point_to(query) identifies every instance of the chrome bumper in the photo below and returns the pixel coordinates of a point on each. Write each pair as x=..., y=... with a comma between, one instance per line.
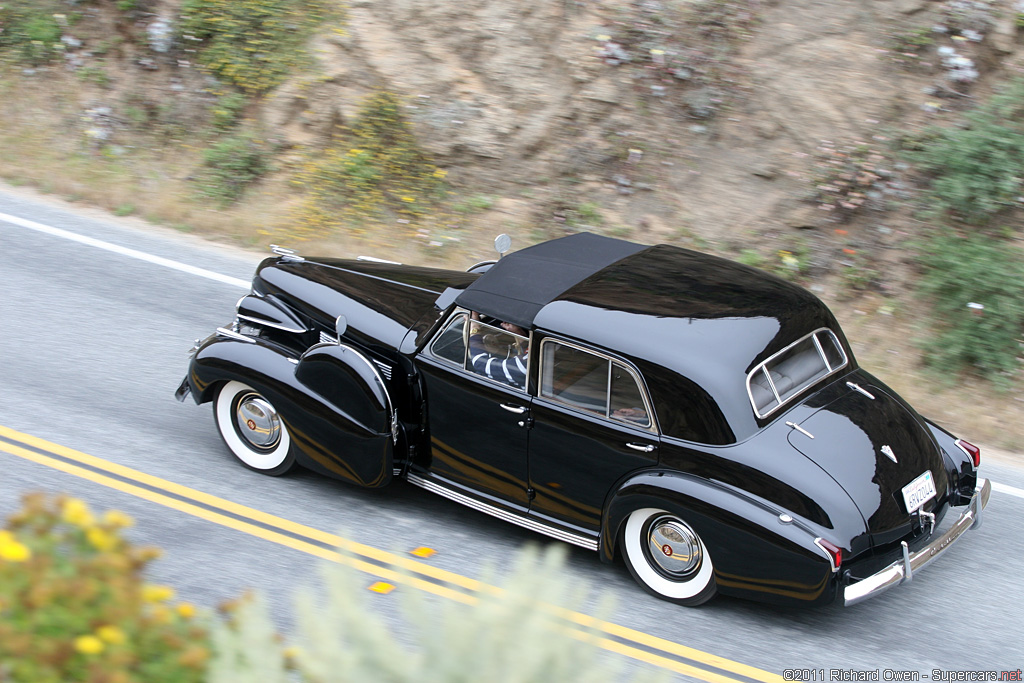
x=903, y=570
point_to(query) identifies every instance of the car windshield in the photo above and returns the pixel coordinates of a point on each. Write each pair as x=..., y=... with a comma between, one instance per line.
x=791, y=371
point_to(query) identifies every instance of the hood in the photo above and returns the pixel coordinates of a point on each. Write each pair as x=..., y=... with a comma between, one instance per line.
x=853, y=437
x=380, y=301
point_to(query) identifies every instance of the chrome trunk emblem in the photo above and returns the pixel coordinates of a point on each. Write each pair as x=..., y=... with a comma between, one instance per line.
x=887, y=451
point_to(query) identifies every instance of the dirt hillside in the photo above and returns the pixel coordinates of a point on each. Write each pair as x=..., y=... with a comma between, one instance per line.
x=763, y=130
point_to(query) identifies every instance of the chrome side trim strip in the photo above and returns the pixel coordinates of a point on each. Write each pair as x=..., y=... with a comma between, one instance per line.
x=267, y=323
x=800, y=429
x=903, y=569
x=857, y=387
x=224, y=332
x=531, y=524
x=374, y=259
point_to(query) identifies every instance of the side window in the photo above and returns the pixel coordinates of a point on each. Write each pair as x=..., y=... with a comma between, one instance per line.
x=450, y=345
x=492, y=352
x=575, y=377
x=592, y=383
x=627, y=401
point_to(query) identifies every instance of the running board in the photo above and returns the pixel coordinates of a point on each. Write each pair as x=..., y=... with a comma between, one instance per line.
x=531, y=524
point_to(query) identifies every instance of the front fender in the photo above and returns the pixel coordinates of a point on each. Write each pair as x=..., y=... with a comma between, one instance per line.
x=345, y=434
x=755, y=554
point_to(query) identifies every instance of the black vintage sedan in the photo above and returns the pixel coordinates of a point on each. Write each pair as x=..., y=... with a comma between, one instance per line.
x=703, y=420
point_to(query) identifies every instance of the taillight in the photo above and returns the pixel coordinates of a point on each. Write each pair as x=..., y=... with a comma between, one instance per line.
x=971, y=450
x=834, y=552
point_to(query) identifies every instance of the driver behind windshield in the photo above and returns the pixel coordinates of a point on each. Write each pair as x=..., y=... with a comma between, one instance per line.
x=501, y=357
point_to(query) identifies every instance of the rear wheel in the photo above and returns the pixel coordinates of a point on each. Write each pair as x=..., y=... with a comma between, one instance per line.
x=667, y=557
x=252, y=429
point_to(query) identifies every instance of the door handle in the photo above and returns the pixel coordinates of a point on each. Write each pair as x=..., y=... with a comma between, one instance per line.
x=642, y=447
x=512, y=408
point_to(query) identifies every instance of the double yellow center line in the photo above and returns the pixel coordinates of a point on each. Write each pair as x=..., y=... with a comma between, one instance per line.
x=374, y=561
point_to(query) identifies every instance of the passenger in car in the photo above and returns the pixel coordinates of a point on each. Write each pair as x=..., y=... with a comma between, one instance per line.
x=508, y=367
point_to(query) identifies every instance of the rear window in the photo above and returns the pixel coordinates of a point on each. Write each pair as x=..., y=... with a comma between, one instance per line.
x=791, y=371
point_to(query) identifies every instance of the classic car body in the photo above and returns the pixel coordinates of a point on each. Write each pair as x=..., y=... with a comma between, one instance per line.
x=702, y=419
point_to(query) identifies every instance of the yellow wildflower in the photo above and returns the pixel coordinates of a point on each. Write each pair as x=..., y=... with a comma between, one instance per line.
x=117, y=519
x=100, y=539
x=186, y=610
x=89, y=645
x=111, y=634
x=11, y=550
x=75, y=511
x=154, y=593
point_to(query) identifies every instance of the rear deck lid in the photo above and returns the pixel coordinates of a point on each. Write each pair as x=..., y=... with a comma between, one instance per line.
x=874, y=448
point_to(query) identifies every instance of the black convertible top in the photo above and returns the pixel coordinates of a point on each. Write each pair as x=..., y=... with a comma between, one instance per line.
x=522, y=283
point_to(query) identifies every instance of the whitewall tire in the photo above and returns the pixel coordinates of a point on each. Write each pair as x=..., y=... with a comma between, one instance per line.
x=252, y=429
x=667, y=557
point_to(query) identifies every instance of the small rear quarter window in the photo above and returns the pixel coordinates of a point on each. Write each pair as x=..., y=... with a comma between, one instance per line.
x=791, y=371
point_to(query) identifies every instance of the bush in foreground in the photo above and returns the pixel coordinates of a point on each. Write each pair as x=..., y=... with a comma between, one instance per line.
x=517, y=634
x=74, y=605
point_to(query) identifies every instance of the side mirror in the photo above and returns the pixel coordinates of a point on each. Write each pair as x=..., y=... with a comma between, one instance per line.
x=340, y=325
x=502, y=243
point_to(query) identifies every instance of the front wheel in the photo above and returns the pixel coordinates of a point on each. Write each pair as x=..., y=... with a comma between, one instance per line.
x=667, y=557
x=252, y=429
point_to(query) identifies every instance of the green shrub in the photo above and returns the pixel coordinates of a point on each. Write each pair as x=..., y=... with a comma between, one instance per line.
x=976, y=170
x=30, y=30
x=962, y=273
x=228, y=110
x=516, y=635
x=373, y=168
x=252, y=44
x=74, y=606
x=231, y=165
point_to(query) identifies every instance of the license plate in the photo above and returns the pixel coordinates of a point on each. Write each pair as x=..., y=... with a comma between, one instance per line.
x=919, y=491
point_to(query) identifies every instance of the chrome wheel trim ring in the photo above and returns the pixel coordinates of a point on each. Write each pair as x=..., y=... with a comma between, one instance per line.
x=256, y=422
x=673, y=548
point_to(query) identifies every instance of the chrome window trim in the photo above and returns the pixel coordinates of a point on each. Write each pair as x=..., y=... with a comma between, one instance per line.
x=763, y=365
x=626, y=365
x=429, y=348
x=434, y=486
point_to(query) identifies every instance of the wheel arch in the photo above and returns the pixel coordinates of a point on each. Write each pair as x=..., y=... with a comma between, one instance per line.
x=340, y=443
x=755, y=553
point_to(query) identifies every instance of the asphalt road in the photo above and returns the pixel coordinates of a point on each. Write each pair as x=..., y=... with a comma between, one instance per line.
x=93, y=343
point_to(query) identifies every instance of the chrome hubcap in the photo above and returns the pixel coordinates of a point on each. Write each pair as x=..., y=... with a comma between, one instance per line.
x=257, y=422
x=674, y=547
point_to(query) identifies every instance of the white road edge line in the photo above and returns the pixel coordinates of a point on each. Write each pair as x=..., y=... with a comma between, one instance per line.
x=1012, y=490
x=124, y=251
x=217, y=277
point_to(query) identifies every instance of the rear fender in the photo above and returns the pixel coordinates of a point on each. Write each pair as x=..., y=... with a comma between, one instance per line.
x=755, y=554
x=346, y=433
x=963, y=476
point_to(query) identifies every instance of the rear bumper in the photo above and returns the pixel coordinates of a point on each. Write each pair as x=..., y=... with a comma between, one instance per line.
x=903, y=570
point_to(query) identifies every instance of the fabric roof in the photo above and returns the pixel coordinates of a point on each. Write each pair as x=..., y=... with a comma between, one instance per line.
x=520, y=284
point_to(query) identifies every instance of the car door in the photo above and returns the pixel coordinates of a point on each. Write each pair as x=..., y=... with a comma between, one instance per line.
x=592, y=424
x=478, y=426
